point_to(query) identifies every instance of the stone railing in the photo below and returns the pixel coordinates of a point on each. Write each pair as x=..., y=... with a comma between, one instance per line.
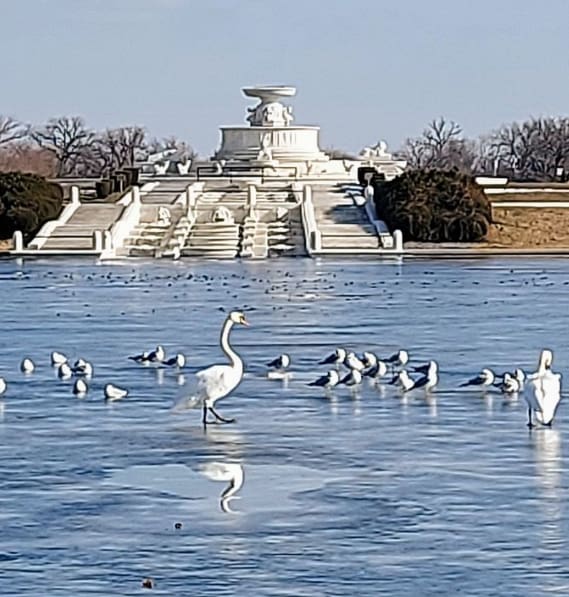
x=47, y=229
x=122, y=228
x=312, y=236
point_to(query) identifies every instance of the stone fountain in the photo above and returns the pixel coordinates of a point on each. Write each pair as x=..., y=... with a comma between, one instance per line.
x=270, y=139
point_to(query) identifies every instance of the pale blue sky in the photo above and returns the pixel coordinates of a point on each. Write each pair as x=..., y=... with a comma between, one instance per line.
x=365, y=69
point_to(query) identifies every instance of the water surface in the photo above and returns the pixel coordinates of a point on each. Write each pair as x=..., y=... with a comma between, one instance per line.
x=361, y=494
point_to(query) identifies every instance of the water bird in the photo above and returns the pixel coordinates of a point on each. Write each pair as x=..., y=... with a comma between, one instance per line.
x=157, y=355
x=177, y=361
x=353, y=378
x=377, y=370
x=27, y=366
x=82, y=367
x=336, y=358
x=543, y=391
x=80, y=387
x=139, y=358
x=328, y=381
x=64, y=371
x=402, y=379
x=353, y=362
x=58, y=358
x=3, y=385
x=218, y=381
x=509, y=384
x=520, y=376
x=369, y=359
x=400, y=358
x=226, y=471
x=114, y=392
x=485, y=379
x=280, y=363
x=430, y=376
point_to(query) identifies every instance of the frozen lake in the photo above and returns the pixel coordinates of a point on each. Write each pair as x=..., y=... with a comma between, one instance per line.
x=358, y=494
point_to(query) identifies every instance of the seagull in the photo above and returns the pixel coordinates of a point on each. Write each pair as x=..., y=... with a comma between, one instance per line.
x=58, y=358
x=80, y=387
x=140, y=358
x=520, y=376
x=353, y=378
x=82, y=367
x=280, y=363
x=369, y=359
x=3, y=385
x=328, y=381
x=157, y=355
x=178, y=361
x=401, y=358
x=226, y=471
x=543, y=391
x=509, y=385
x=485, y=378
x=114, y=393
x=403, y=380
x=64, y=371
x=27, y=366
x=353, y=362
x=336, y=358
x=430, y=377
x=379, y=369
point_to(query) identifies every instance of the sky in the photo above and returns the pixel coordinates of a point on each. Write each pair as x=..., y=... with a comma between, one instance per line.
x=364, y=69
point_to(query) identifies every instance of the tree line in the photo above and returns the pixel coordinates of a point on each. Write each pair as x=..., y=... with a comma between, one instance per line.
x=67, y=146
x=536, y=149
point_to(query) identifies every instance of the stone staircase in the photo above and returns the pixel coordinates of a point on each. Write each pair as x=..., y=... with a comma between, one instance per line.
x=153, y=233
x=77, y=232
x=342, y=224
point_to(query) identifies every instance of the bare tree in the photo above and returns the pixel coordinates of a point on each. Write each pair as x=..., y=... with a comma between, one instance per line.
x=441, y=146
x=68, y=139
x=182, y=149
x=12, y=130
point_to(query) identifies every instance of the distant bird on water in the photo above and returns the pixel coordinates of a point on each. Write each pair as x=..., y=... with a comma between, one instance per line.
x=27, y=366
x=336, y=358
x=328, y=381
x=114, y=392
x=484, y=379
x=3, y=385
x=58, y=358
x=400, y=358
x=280, y=363
x=177, y=361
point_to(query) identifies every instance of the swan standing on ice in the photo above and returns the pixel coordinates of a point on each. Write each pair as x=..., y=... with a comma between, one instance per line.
x=543, y=391
x=218, y=381
x=222, y=471
x=485, y=379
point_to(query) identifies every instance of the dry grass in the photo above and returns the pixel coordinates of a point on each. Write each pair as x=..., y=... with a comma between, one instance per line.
x=526, y=228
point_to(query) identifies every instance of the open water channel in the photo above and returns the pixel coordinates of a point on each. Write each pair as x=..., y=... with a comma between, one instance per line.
x=365, y=493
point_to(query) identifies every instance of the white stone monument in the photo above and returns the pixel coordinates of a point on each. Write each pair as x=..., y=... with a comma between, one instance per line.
x=271, y=139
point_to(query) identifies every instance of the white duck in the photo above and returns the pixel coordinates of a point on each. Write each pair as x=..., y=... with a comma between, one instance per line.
x=57, y=358
x=543, y=391
x=226, y=471
x=218, y=381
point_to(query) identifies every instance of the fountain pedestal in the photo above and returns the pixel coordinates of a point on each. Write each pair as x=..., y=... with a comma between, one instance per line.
x=271, y=139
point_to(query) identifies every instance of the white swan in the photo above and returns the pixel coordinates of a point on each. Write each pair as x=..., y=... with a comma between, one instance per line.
x=226, y=471
x=3, y=385
x=27, y=366
x=218, y=381
x=543, y=391
x=114, y=392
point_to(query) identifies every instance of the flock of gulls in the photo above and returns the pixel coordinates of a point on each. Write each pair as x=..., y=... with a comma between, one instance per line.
x=541, y=389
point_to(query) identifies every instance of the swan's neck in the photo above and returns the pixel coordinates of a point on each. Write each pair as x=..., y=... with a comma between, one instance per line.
x=236, y=362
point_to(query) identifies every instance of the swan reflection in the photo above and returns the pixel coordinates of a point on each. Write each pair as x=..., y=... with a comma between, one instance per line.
x=226, y=471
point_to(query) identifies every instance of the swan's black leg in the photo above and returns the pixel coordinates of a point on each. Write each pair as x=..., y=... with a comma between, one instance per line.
x=204, y=416
x=530, y=424
x=219, y=417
